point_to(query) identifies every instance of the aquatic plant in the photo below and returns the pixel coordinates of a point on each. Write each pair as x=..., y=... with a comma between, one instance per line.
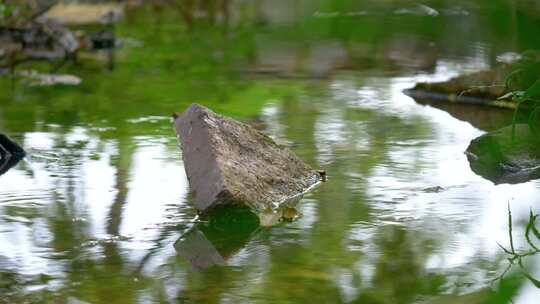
x=524, y=85
x=516, y=257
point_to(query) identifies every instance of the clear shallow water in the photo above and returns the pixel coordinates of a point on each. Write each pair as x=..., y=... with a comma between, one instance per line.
x=93, y=212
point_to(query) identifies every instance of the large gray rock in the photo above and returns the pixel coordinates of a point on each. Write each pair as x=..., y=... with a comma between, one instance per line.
x=228, y=162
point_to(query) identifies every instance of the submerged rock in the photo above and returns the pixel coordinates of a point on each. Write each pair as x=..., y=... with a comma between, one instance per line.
x=228, y=162
x=10, y=153
x=502, y=159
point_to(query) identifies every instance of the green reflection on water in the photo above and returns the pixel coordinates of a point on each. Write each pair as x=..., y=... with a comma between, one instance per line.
x=70, y=222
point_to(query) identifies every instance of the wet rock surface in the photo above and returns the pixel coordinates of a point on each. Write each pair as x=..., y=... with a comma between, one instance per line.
x=502, y=159
x=10, y=153
x=228, y=162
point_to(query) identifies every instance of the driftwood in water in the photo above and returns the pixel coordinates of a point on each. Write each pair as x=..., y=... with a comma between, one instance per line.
x=427, y=96
x=480, y=88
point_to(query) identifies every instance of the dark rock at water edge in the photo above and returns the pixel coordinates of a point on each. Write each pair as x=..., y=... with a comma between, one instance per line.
x=228, y=162
x=502, y=159
x=10, y=153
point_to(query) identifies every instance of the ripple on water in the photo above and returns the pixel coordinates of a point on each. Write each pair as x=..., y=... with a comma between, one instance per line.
x=28, y=197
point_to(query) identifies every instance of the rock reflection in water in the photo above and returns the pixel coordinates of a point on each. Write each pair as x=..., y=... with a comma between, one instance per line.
x=225, y=231
x=217, y=236
x=481, y=117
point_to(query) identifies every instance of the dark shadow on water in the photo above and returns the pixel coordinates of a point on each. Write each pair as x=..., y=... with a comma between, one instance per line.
x=217, y=237
x=10, y=153
x=481, y=117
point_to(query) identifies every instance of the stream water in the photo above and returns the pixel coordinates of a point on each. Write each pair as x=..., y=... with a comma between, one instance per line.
x=92, y=214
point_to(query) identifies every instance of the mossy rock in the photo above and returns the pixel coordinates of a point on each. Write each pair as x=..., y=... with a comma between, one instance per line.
x=504, y=158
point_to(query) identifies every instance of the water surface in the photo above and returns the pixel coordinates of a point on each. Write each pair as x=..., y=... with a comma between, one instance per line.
x=93, y=213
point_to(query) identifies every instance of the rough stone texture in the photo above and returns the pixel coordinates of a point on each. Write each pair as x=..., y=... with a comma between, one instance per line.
x=228, y=162
x=498, y=158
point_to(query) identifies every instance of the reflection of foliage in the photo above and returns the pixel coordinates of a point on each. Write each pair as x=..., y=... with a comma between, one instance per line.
x=515, y=257
x=524, y=83
x=17, y=11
